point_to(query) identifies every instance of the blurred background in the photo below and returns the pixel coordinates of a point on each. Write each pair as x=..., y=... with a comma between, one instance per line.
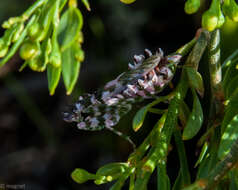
x=40, y=150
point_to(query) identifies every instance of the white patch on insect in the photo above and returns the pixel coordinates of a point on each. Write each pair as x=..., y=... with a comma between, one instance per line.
x=81, y=125
x=129, y=93
x=105, y=95
x=107, y=116
x=130, y=66
x=111, y=101
x=93, y=99
x=119, y=96
x=132, y=88
x=142, y=83
x=79, y=107
x=173, y=58
x=94, y=122
x=109, y=123
x=141, y=93
x=117, y=116
x=150, y=87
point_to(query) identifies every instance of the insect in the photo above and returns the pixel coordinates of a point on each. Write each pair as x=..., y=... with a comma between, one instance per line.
x=145, y=78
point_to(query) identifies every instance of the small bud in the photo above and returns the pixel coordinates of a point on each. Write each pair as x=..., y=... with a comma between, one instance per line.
x=36, y=64
x=209, y=21
x=29, y=50
x=192, y=6
x=127, y=1
x=34, y=30
x=79, y=55
x=81, y=176
x=3, y=51
x=230, y=8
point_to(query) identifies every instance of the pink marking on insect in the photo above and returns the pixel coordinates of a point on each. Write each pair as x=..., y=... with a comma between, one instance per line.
x=107, y=116
x=112, y=83
x=132, y=88
x=109, y=123
x=81, y=125
x=111, y=101
x=106, y=95
x=141, y=93
x=94, y=122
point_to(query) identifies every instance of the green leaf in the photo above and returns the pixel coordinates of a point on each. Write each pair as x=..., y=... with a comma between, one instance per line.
x=202, y=154
x=70, y=67
x=81, y=176
x=195, y=119
x=229, y=136
x=210, y=160
x=162, y=177
x=112, y=171
x=230, y=73
x=53, y=76
x=45, y=20
x=86, y=4
x=231, y=86
x=230, y=110
x=127, y=1
x=234, y=179
x=186, y=179
x=191, y=6
x=195, y=80
x=184, y=113
x=17, y=44
x=139, y=118
x=178, y=182
x=70, y=25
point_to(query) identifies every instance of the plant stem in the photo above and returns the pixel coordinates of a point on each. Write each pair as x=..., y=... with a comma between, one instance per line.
x=215, y=70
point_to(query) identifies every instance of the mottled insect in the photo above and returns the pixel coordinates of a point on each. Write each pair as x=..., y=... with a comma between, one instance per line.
x=145, y=78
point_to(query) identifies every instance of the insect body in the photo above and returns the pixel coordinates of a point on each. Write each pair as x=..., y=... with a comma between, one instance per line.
x=103, y=109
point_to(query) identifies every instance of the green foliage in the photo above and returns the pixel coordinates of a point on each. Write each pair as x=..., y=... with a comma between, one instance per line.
x=195, y=119
x=47, y=33
x=49, y=37
x=218, y=154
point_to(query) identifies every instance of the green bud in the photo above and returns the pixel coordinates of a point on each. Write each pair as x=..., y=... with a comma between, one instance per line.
x=55, y=55
x=3, y=51
x=213, y=17
x=80, y=176
x=127, y=1
x=11, y=21
x=209, y=20
x=55, y=59
x=192, y=6
x=2, y=43
x=8, y=35
x=79, y=56
x=230, y=8
x=100, y=180
x=80, y=37
x=34, y=30
x=112, y=171
x=36, y=64
x=18, y=30
x=29, y=50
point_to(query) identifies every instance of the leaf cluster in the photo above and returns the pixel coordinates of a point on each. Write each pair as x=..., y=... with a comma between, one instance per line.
x=48, y=36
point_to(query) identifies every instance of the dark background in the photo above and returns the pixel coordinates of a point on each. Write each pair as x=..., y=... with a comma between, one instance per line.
x=40, y=150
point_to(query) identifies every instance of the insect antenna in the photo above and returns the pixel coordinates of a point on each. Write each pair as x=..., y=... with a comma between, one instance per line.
x=120, y=134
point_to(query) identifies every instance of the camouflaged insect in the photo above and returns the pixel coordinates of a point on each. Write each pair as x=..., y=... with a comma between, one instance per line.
x=146, y=77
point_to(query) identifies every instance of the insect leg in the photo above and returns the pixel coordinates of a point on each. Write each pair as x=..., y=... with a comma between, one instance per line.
x=120, y=134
